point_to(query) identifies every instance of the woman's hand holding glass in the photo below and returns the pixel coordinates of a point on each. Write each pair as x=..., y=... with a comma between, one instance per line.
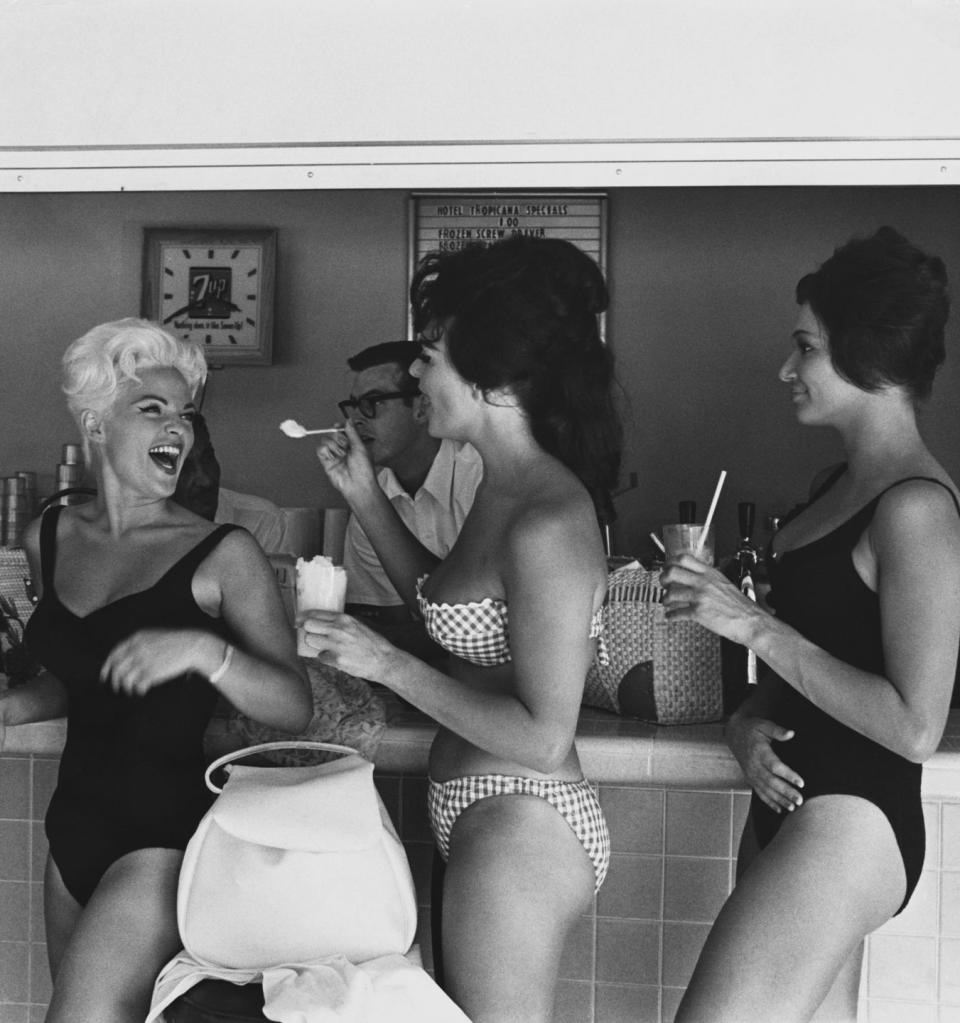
x=694, y=590
x=345, y=460
x=343, y=642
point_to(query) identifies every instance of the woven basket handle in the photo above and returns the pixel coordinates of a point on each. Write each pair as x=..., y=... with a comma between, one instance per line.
x=264, y=747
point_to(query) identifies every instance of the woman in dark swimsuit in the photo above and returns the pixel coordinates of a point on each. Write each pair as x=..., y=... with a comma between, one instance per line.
x=862, y=651
x=147, y=611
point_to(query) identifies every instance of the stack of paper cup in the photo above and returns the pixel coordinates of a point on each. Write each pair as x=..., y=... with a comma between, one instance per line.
x=70, y=473
x=321, y=586
x=16, y=510
x=30, y=483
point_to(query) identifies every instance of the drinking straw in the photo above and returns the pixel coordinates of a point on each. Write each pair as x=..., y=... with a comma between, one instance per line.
x=713, y=508
x=749, y=590
x=656, y=539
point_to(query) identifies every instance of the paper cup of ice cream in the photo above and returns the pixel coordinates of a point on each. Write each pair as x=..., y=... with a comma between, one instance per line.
x=321, y=586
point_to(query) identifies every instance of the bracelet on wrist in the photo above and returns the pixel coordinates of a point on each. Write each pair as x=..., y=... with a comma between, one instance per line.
x=216, y=677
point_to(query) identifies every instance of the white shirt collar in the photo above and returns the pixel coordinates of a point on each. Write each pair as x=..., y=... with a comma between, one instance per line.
x=438, y=482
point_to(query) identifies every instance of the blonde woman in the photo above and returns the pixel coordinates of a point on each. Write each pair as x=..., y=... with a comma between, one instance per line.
x=147, y=612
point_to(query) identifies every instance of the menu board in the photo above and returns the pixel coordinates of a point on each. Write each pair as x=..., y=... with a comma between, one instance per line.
x=449, y=220
x=446, y=221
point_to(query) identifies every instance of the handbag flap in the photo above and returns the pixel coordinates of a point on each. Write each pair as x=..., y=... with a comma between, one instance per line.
x=326, y=807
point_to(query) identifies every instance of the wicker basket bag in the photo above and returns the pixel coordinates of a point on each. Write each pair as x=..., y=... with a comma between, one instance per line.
x=660, y=671
x=15, y=579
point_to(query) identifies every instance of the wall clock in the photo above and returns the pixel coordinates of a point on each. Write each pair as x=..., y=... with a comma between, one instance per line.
x=214, y=286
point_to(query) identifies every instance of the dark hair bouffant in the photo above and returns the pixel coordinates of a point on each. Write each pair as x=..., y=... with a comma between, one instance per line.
x=883, y=303
x=524, y=313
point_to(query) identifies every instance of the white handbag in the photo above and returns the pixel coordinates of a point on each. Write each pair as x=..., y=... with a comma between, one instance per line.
x=293, y=864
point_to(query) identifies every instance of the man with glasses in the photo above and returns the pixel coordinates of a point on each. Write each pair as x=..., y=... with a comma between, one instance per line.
x=430, y=482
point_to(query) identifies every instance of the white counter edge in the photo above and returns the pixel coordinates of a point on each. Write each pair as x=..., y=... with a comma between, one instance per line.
x=672, y=757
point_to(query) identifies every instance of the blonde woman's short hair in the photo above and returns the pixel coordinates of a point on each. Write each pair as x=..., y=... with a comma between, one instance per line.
x=111, y=354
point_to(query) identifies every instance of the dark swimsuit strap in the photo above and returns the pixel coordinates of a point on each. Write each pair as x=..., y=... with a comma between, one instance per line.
x=48, y=545
x=925, y=479
x=829, y=482
x=187, y=564
x=841, y=469
x=190, y=561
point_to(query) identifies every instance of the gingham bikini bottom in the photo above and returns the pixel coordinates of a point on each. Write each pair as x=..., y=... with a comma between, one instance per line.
x=575, y=801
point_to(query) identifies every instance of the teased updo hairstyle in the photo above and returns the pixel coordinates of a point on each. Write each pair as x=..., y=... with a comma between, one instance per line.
x=111, y=354
x=523, y=313
x=883, y=303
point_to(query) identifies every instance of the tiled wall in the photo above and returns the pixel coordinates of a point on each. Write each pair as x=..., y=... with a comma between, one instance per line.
x=26, y=783
x=628, y=960
x=912, y=964
x=673, y=864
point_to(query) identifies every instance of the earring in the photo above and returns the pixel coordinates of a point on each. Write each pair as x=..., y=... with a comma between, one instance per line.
x=91, y=424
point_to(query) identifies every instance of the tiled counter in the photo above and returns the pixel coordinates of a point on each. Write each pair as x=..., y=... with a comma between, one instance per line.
x=675, y=802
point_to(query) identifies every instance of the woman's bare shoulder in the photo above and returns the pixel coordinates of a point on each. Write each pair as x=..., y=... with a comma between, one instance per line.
x=919, y=512
x=563, y=520
x=236, y=550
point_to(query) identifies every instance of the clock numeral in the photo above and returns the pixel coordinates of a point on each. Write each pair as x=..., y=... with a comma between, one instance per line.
x=236, y=252
x=252, y=323
x=252, y=273
x=169, y=272
x=233, y=340
x=187, y=253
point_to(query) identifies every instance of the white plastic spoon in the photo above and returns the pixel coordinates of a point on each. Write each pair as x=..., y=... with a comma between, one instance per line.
x=293, y=429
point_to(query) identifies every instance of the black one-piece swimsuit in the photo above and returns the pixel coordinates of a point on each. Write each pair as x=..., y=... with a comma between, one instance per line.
x=131, y=774
x=816, y=590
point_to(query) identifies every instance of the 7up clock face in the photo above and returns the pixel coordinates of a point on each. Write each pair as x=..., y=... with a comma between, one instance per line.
x=211, y=295
x=216, y=291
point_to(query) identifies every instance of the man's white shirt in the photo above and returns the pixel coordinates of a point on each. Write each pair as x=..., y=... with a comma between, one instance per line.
x=434, y=515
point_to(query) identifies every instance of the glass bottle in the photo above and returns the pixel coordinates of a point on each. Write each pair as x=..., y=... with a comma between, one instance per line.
x=739, y=665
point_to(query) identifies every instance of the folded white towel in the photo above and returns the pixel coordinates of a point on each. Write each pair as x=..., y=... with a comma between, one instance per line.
x=389, y=989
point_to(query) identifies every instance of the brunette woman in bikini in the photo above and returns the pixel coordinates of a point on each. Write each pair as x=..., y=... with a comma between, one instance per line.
x=513, y=363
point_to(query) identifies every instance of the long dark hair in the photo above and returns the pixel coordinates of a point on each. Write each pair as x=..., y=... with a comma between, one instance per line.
x=524, y=313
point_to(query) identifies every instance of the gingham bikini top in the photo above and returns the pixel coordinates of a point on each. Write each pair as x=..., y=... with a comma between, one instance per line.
x=478, y=631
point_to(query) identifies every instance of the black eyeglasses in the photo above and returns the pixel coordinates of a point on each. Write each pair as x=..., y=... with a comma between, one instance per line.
x=367, y=404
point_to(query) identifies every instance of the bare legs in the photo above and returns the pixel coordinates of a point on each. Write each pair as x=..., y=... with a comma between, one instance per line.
x=840, y=1003
x=516, y=881
x=832, y=875
x=105, y=956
